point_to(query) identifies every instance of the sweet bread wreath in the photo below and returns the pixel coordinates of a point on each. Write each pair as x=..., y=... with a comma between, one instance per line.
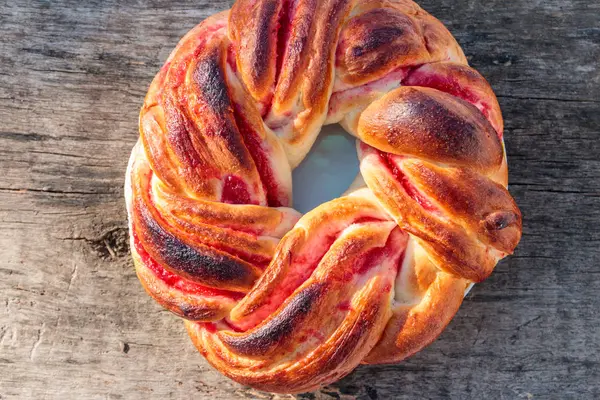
x=286, y=302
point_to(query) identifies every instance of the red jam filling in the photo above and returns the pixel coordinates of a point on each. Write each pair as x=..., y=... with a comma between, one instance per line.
x=410, y=189
x=231, y=58
x=283, y=28
x=235, y=191
x=283, y=35
x=345, y=306
x=275, y=197
x=210, y=327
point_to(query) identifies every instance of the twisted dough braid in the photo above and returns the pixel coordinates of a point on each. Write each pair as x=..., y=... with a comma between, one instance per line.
x=285, y=302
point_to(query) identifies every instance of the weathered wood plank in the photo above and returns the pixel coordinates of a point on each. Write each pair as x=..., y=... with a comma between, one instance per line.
x=75, y=323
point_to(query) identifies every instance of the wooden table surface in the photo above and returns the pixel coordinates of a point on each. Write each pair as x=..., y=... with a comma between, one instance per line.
x=76, y=324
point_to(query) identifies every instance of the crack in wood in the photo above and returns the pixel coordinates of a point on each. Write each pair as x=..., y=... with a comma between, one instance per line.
x=72, y=278
x=113, y=243
x=518, y=328
x=54, y=191
x=566, y=100
x=38, y=341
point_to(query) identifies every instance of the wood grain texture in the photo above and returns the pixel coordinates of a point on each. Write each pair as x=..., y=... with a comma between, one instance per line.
x=75, y=322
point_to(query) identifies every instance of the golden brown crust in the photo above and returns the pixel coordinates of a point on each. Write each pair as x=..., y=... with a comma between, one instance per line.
x=385, y=35
x=253, y=26
x=463, y=82
x=188, y=304
x=295, y=344
x=288, y=303
x=378, y=41
x=479, y=204
x=412, y=327
x=431, y=125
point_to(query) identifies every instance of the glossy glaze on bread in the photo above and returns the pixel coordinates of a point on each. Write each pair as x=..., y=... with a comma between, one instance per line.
x=286, y=302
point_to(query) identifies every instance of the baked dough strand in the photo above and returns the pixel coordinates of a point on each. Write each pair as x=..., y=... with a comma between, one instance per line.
x=286, y=302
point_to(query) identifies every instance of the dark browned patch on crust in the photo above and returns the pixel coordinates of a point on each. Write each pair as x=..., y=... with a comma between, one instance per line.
x=318, y=76
x=264, y=43
x=378, y=39
x=196, y=312
x=499, y=220
x=203, y=265
x=275, y=332
x=430, y=123
x=180, y=304
x=359, y=332
x=218, y=118
x=329, y=365
x=463, y=82
x=442, y=126
x=210, y=79
x=178, y=135
x=375, y=39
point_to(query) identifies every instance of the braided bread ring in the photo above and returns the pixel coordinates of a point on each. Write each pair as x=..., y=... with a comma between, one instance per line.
x=284, y=302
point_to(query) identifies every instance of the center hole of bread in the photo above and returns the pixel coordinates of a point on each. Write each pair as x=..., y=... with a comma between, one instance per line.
x=327, y=171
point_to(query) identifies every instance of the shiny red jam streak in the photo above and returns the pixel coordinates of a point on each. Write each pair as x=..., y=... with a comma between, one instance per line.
x=408, y=187
x=303, y=266
x=275, y=196
x=235, y=191
x=283, y=34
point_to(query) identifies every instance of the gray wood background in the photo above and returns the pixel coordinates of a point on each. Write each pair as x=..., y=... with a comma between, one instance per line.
x=75, y=323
